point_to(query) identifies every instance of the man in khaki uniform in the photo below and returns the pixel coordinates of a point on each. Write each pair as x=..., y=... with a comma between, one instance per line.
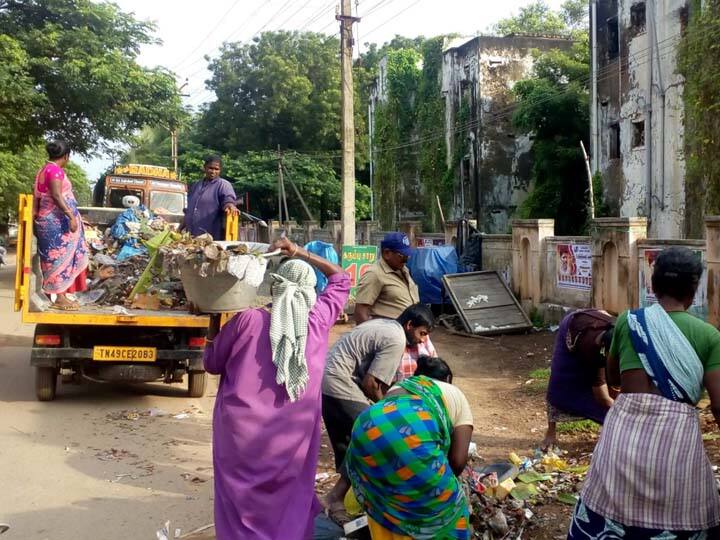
x=387, y=289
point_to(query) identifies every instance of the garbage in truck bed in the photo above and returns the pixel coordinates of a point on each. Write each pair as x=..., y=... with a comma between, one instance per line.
x=217, y=276
x=146, y=264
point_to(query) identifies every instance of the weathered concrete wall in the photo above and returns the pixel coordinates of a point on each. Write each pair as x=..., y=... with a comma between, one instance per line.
x=615, y=271
x=528, y=270
x=554, y=293
x=626, y=106
x=647, y=251
x=712, y=261
x=493, y=176
x=497, y=254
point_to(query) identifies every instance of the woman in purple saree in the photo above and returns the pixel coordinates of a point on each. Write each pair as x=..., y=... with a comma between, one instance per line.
x=266, y=424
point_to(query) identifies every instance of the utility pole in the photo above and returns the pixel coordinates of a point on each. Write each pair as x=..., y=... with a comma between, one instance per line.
x=174, y=136
x=174, y=149
x=347, y=205
x=282, y=198
x=280, y=212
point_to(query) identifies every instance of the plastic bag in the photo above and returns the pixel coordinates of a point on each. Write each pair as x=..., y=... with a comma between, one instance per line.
x=427, y=266
x=326, y=251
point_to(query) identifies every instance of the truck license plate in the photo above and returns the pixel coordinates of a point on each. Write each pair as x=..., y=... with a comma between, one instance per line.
x=124, y=354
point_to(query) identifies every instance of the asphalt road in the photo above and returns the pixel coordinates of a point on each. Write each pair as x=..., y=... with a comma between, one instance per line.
x=100, y=462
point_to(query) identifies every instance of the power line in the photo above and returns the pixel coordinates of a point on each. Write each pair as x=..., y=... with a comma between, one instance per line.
x=610, y=72
x=392, y=18
x=210, y=33
x=318, y=15
x=231, y=34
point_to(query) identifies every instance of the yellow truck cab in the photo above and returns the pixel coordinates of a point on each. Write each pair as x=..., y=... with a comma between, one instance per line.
x=110, y=343
x=157, y=188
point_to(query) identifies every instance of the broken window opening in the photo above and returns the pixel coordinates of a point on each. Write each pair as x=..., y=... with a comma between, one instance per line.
x=637, y=17
x=614, y=150
x=613, y=38
x=638, y=138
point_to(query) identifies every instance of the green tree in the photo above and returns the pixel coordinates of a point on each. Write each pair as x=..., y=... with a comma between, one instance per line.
x=700, y=65
x=554, y=107
x=256, y=173
x=17, y=175
x=535, y=18
x=395, y=121
x=575, y=13
x=68, y=69
x=283, y=88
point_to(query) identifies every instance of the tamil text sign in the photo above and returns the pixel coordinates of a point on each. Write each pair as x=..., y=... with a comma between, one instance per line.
x=356, y=260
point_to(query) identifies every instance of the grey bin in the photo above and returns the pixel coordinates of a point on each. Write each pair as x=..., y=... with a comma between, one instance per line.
x=219, y=292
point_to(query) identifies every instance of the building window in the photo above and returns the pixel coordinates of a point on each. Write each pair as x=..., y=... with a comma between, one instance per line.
x=683, y=15
x=614, y=150
x=613, y=38
x=638, y=138
x=637, y=17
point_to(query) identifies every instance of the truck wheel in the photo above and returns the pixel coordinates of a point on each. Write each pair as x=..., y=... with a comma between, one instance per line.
x=197, y=381
x=45, y=383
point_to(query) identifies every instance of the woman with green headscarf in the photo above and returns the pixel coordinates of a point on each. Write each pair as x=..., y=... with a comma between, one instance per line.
x=266, y=424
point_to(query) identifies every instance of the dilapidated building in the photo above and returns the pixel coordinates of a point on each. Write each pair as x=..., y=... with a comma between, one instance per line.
x=637, y=131
x=495, y=165
x=490, y=161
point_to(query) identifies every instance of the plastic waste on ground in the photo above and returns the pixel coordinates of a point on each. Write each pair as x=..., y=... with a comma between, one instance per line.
x=89, y=297
x=503, y=495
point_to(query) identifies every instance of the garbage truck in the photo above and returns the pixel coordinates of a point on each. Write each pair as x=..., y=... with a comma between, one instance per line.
x=109, y=343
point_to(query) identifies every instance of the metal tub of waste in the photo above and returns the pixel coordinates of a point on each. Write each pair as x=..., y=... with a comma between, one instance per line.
x=214, y=289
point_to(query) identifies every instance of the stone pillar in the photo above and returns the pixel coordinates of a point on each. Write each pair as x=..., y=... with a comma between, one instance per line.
x=365, y=230
x=310, y=227
x=712, y=260
x=334, y=226
x=273, y=230
x=528, y=251
x=412, y=229
x=263, y=234
x=615, y=262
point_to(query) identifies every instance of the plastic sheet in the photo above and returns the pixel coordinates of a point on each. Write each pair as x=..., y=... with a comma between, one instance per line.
x=427, y=267
x=326, y=251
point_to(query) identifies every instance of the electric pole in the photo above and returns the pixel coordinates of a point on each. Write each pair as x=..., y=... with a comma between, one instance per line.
x=174, y=150
x=347, y=205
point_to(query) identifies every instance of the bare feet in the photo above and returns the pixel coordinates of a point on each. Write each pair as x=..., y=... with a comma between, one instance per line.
x=64, y=303
x=550, y=439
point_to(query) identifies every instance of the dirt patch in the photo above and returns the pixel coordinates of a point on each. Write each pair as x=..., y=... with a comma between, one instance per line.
x=492, y=372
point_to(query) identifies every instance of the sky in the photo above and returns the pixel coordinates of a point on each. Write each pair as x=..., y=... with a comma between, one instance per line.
x=189, y=30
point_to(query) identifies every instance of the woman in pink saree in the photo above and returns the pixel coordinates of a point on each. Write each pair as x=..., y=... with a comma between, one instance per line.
x=59, y=229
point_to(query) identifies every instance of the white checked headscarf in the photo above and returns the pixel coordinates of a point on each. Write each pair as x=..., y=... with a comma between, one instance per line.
x=293, y=294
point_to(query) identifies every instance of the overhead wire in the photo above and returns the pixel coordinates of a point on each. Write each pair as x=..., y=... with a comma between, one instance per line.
x=200, y=43
x=392, y=18
x=229, y=36
x=609, y=72
x=614, y=70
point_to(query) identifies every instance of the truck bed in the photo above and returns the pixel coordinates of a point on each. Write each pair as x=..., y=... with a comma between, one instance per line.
x=34, y=303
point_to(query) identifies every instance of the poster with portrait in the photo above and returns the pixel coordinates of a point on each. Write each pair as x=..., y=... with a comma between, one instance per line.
x=647, y=296
x=574, y=266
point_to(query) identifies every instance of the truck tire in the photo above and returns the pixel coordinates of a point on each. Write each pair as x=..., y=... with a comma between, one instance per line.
x=45, y=383
x=197, y=382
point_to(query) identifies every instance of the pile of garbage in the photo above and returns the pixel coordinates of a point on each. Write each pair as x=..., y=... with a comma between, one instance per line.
x=504, y=494
x=122, y=269
x=206, y=258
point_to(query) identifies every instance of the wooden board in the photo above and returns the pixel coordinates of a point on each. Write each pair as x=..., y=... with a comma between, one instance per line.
x=485, y=304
